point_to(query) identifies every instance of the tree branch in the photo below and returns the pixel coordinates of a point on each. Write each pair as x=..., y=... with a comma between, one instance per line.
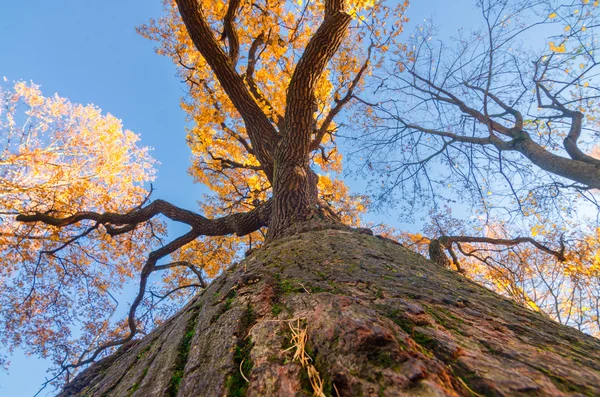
x=229, y=31
x=319, y=50
x=239, y=224
x=560, y=255
x=454, y=100
x=570, y=141
x=187, y=264
x=148, y=268
x=583, y=171
x=249, y=76
x=227, y=163
x=508, y=109
x=340, y=104
x=262, y=133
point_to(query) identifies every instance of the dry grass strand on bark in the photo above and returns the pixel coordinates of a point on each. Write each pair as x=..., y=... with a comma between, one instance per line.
x=298, y=340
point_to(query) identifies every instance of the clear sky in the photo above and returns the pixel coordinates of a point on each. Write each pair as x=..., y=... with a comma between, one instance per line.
x=88, y=51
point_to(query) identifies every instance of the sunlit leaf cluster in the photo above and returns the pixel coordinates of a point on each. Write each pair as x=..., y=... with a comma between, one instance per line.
x=60, y=158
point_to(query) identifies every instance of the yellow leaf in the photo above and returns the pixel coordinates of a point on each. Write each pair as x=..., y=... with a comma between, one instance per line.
x=554, y=48
x=552, y=16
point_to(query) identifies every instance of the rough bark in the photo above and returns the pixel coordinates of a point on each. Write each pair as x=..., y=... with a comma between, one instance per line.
x=283, y=155
x=381, y=321
x=295, y=184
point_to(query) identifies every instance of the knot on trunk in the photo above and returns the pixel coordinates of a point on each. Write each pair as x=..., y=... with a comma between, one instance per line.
x=437, y=254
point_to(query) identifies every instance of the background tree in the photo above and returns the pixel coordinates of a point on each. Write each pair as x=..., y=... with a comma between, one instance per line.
x=494, y=108
x=503, y=119
x=57, y=159
x=558, y=280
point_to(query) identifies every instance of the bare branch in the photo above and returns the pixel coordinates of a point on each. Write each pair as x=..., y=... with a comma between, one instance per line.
x=340, y=104
x=560, y=255
x=189, y=265
x=570, y=141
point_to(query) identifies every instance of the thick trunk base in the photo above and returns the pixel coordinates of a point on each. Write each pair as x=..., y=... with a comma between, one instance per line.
x=380, y=321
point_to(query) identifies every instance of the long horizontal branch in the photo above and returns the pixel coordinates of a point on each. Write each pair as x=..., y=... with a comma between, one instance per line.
x=239, y=224
x=447, y=240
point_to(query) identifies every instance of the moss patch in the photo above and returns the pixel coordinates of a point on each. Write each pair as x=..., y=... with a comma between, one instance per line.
x=144, y=351
x=229, y=300
x=236, y=383
x=396, y=316
x=182, y=355
x=277, y=308
x=288, y=286
x=446, y=319
x=226, y=305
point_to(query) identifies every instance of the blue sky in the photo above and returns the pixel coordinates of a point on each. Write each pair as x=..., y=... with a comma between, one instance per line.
x=88, y=51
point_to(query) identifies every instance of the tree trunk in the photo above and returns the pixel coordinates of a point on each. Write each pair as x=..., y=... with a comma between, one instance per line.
x=295, y=196
x=380, y=320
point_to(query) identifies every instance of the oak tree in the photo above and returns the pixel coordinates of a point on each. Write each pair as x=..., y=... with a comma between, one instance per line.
x=266, y=81
x=263, y=96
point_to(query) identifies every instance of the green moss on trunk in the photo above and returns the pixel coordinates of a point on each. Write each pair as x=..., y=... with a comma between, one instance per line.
x=182, y=354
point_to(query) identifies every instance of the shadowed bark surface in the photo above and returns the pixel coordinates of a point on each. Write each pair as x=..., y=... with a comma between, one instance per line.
x=381, y=321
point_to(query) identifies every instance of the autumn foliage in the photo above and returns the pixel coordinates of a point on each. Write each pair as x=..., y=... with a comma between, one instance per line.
x=79, y=182
x=61, y=158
